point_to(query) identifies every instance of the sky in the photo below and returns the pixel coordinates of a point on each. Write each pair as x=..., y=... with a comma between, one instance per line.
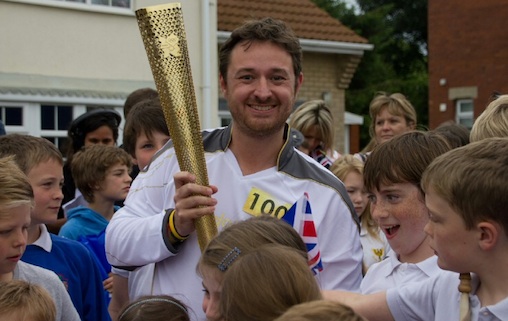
x=352, y=3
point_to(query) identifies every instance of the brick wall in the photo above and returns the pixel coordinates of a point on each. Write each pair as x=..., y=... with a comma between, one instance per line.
x=329, y=73
x=468, y=51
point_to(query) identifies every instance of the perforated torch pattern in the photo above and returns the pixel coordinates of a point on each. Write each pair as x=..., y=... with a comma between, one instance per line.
x=163, y=33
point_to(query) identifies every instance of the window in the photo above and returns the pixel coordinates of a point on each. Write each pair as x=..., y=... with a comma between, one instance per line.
x=11, y=115
x=55, y=117
x=224, y=114
x=55, y=120
x=464, y=112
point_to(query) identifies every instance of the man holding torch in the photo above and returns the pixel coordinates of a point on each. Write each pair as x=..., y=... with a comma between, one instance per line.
x=253, y=168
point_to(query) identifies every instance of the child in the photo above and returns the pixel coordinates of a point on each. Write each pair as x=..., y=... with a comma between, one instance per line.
x=155, y=308
x=137, y=96
x=245, y=235
x=465, y=191
x=101, y=174
x=16, y=201
x=457, y=135
x=321, y=310
x=97, y=126
x=20, y=300
x=145, y=132
x=375, y=246
x=493, y=122
x=70, y=260
x=263, y=283
x=392, y=177
x=134, y=98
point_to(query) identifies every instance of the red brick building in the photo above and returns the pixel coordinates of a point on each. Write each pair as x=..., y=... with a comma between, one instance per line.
x=468, y=57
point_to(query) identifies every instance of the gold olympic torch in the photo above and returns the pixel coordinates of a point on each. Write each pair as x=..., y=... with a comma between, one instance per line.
x=163, y=33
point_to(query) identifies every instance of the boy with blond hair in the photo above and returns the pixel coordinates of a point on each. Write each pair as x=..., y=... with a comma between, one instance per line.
x=465, y=192
x=21, y=300
x=16, y=202
x=42, y=162
x=493, y=121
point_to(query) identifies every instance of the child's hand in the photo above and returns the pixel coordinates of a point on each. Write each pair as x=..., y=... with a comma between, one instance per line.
x=108, y=284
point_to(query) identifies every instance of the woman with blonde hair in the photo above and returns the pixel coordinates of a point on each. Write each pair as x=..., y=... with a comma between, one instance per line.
x=391, y=115
x=315, y=121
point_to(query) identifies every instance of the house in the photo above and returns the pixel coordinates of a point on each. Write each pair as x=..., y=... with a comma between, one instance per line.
x=69, y=56
x=468, y=58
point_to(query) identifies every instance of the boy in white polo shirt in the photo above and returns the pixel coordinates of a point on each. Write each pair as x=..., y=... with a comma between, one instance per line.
x=392, y=177
x=466, y=195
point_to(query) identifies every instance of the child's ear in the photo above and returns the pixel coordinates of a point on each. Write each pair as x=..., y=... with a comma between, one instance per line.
x=489, y=234
x=134, y=161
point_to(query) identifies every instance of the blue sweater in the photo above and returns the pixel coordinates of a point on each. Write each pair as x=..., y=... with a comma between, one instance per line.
x=83, y=221
x=79, y=272
x=88, y=227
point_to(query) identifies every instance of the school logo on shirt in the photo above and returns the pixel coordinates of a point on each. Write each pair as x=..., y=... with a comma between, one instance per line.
x=64, y=280
x=260, y=202
x=379, y=253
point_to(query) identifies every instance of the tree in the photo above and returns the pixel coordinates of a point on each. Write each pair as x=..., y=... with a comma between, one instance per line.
x=398, y=63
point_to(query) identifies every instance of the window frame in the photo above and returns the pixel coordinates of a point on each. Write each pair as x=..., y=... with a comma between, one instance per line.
x=87, y=6
x=461, y=115
x=26, y=122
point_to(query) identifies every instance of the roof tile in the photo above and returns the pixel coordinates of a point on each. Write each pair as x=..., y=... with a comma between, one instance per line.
x=306, y=19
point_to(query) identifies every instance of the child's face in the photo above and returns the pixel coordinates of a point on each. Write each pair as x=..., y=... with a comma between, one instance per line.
x=116, y=184
x=46, y=179
x=401, y=213
x=13, y=238
x=146, y=147
x=212, y=288
x=449, y=238
x=354, y=187
x=102, y=135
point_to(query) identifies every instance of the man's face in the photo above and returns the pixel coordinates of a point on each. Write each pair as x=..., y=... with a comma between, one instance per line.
x=260, y=88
